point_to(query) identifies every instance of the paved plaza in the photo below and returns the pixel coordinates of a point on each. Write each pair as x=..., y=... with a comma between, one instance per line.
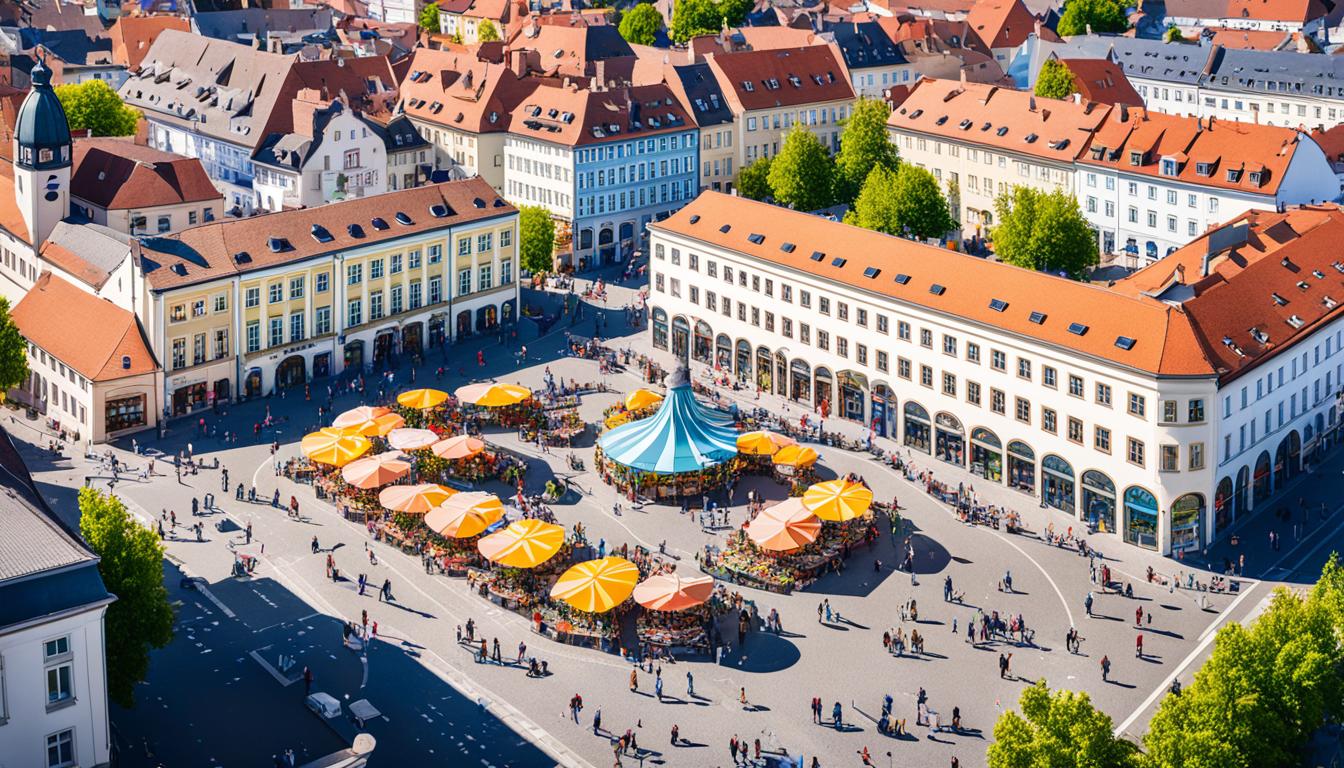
x=437, y=702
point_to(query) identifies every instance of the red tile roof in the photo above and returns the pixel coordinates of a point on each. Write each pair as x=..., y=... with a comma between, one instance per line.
x=87, y=333
x=1102, y=81
x=118, y=174
x=1001, y=118
x=1164, y=341
x=1001, y=23
x=1221, y=145
x=132, y=36
x=781, y=77
x=211, y=251
x=592, y=115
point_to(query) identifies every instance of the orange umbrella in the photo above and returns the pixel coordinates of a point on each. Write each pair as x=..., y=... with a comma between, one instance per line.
x=524, y=544
x=460, y=447
x=597, y=586
x=465, y=515
x=417, y=499
x=334, y=447
x=492, y=395
x=784, y=527
x=356, y=416
x=763, y=442
x=378, y=426
x=375, y=471
x=796, y=456
x=422, y=399
x=670, y=592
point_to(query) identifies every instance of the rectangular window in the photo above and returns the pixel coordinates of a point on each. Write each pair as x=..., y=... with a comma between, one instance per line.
x=435, y=289
x=1196, y=456
x=1022, y=406
x=376, y=269
x=1168, y=411
x=903, y=368
x=464, y=282
x=296, y=287
x=1049, y=420
x=61, y=749
x=354, y=274
x=1023, y=369
x=276, y=293
x=1170, y=457
x=59, y=664
x=973, y=393
x=376, y=305
x=1076, y=386
x=1138, y=405
x=997, y=401
x=949, y=384
x=926, y=338
x=395, y=266
x=1048, y=377
x=882, y=361
x=296, y=327
x=322, y=320
x=321, y=281
x=413, y=259
x=355, y=313
x=277, y=332
x=252, y=297
x=1101, y=439
x=949, y=345
x=1134, y=452
x=902, y=330
x=253, y=336
x=973, y=352
x=1104, y=394
x=1196, y=411
x=997, y=360
x=925, y=376
x=1075, y=430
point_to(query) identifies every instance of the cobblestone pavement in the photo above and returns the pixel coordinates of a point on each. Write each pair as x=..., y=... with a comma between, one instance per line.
x=842, y=661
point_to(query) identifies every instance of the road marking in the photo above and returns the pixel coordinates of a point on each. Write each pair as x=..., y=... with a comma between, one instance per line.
x=204, y=590
x=266, y=665
x=1323, y=541
x=1198, y=649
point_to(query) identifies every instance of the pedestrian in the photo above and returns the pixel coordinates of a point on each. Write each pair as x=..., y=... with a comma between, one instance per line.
x=732, y=748
x=522, y=649
x=1138, y=645
x=1105, y=668
x=658, y=688
x=820, y=608
x=494, y=651
x=837, y=716
x=742, y=697
x=634, y=681
x=1003, y=666
x=386, y=591
x=307, y=681
x=690, y=685
x=249, y=531
x=597, y=720
x=314, y=545
x=1087, y=603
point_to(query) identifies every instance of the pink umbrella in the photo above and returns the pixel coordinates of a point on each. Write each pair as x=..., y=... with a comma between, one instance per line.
x=670, y=592
x=406, y=439
x=376, y=471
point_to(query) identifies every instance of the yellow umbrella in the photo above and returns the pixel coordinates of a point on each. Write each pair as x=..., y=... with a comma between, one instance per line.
x=460, y=447
x=524, y=544
x=422, y=399
x=356, y=416
x=416, y=499
x=642, y=398
x=376, y=471
x=332, y=446
x=784, y=527
x=763, y=442
x=838, y=500
x=493, y=395
x=597, y=586
x=378, y=426
x=465, y=515
x=796, y=456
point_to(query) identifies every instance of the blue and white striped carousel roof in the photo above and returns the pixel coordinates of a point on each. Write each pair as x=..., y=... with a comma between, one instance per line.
x=683, y=436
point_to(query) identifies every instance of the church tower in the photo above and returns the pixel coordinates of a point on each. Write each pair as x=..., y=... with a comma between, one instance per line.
x=42, y=158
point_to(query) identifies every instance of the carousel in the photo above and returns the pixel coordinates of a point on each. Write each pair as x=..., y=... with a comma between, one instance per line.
x=683, y=450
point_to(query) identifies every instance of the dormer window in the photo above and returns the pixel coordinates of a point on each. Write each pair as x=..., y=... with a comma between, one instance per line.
x=1234, y=175
x=1135, y=158
x=1170, y=167
x=1204, y=169
x=1255, y=178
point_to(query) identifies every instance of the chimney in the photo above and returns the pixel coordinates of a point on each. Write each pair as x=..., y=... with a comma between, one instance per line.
x=1031, y=103
x=963, y=78
x=1124, y=113
x=518, y=62
x=1077, y=98
x=600, y=72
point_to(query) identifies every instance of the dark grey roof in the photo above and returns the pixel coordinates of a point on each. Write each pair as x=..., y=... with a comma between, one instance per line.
x=704, y=97
x=1289, y=72
x=605, y=42
x=399, y=135
x=1181, y=63
x=247, y=22
x=865, y=45
x=73, y=46
x=41, y=123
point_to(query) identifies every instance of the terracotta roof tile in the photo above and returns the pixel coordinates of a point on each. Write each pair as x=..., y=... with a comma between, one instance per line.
x=118, y=174
x=211, y=252
x=1001, y=23
x=781, y=77
x=1002, y=118
x=132, y=36
x=1102, y=81
x=1164, y=343
x=87, y=333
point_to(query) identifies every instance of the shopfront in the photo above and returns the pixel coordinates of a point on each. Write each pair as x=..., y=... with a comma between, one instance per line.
x=1099, y=501
x=383, y=347
x=742, y=361
x=1223, y=500
x=704, y=340
x=292, y=372
x=412, y=338
x=321, y=365
x=188, y=398
x=221, y=391
x=487, y=318
x=681, y=339
x=1021, y=467
x=1140, y=517
x=949, y=439
x=986, y=455
x=436, y=329
x=723, y=352
x=781, y=373
x=463, y=324
x=252, y=383
x=354, y=357
x=1187, y=523
x=823, y=398
x=917, y=432
x=800, y=382
x=883, y=419
x=852, y=388
x=1261, y=481
x=124, y=413
x=764, y=370
x=659, y=329
x=1057, y=489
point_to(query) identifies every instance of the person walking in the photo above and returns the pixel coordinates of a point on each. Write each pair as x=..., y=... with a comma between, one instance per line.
x=690, y=685
x=1106, y=669
x=676, y=735
x=658, y=688
x=837, y=715
x=732, y=748
x=1003, y=666
x=634, y=681
x=1138, y=645
x=1087, y=603
x=597, y=722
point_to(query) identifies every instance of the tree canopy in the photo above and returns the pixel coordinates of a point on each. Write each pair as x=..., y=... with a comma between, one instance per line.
x=905, y=202
x=1044, y=231
x=487, y=32
x=802, y=174
x=753, y=181
x=864, y=146
x=640, y=24
x=1055, y=80
x=536, y=235
x=1103, y=16
x=93, y=105
x=13, y=351
x=131, y=564
x=706, y=17
x=1060, y=730
x=429, y=18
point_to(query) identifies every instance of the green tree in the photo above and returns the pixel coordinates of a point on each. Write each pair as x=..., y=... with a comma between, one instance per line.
x=641, y=24
x=94, y=106
x=131, y=564
x=734, y=12
x=1265, y=689
x=429, y=18
x=802, y=174
x=754, y=180
x=864, y=146
x=1059, y=730
x=694, y=17
x=1055, y=80
x=904, y=202
x=13, y=351
x=536, y=232
x=1044, y=231
x=1173, y=34
x=487, y=32
x=1103, y=16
